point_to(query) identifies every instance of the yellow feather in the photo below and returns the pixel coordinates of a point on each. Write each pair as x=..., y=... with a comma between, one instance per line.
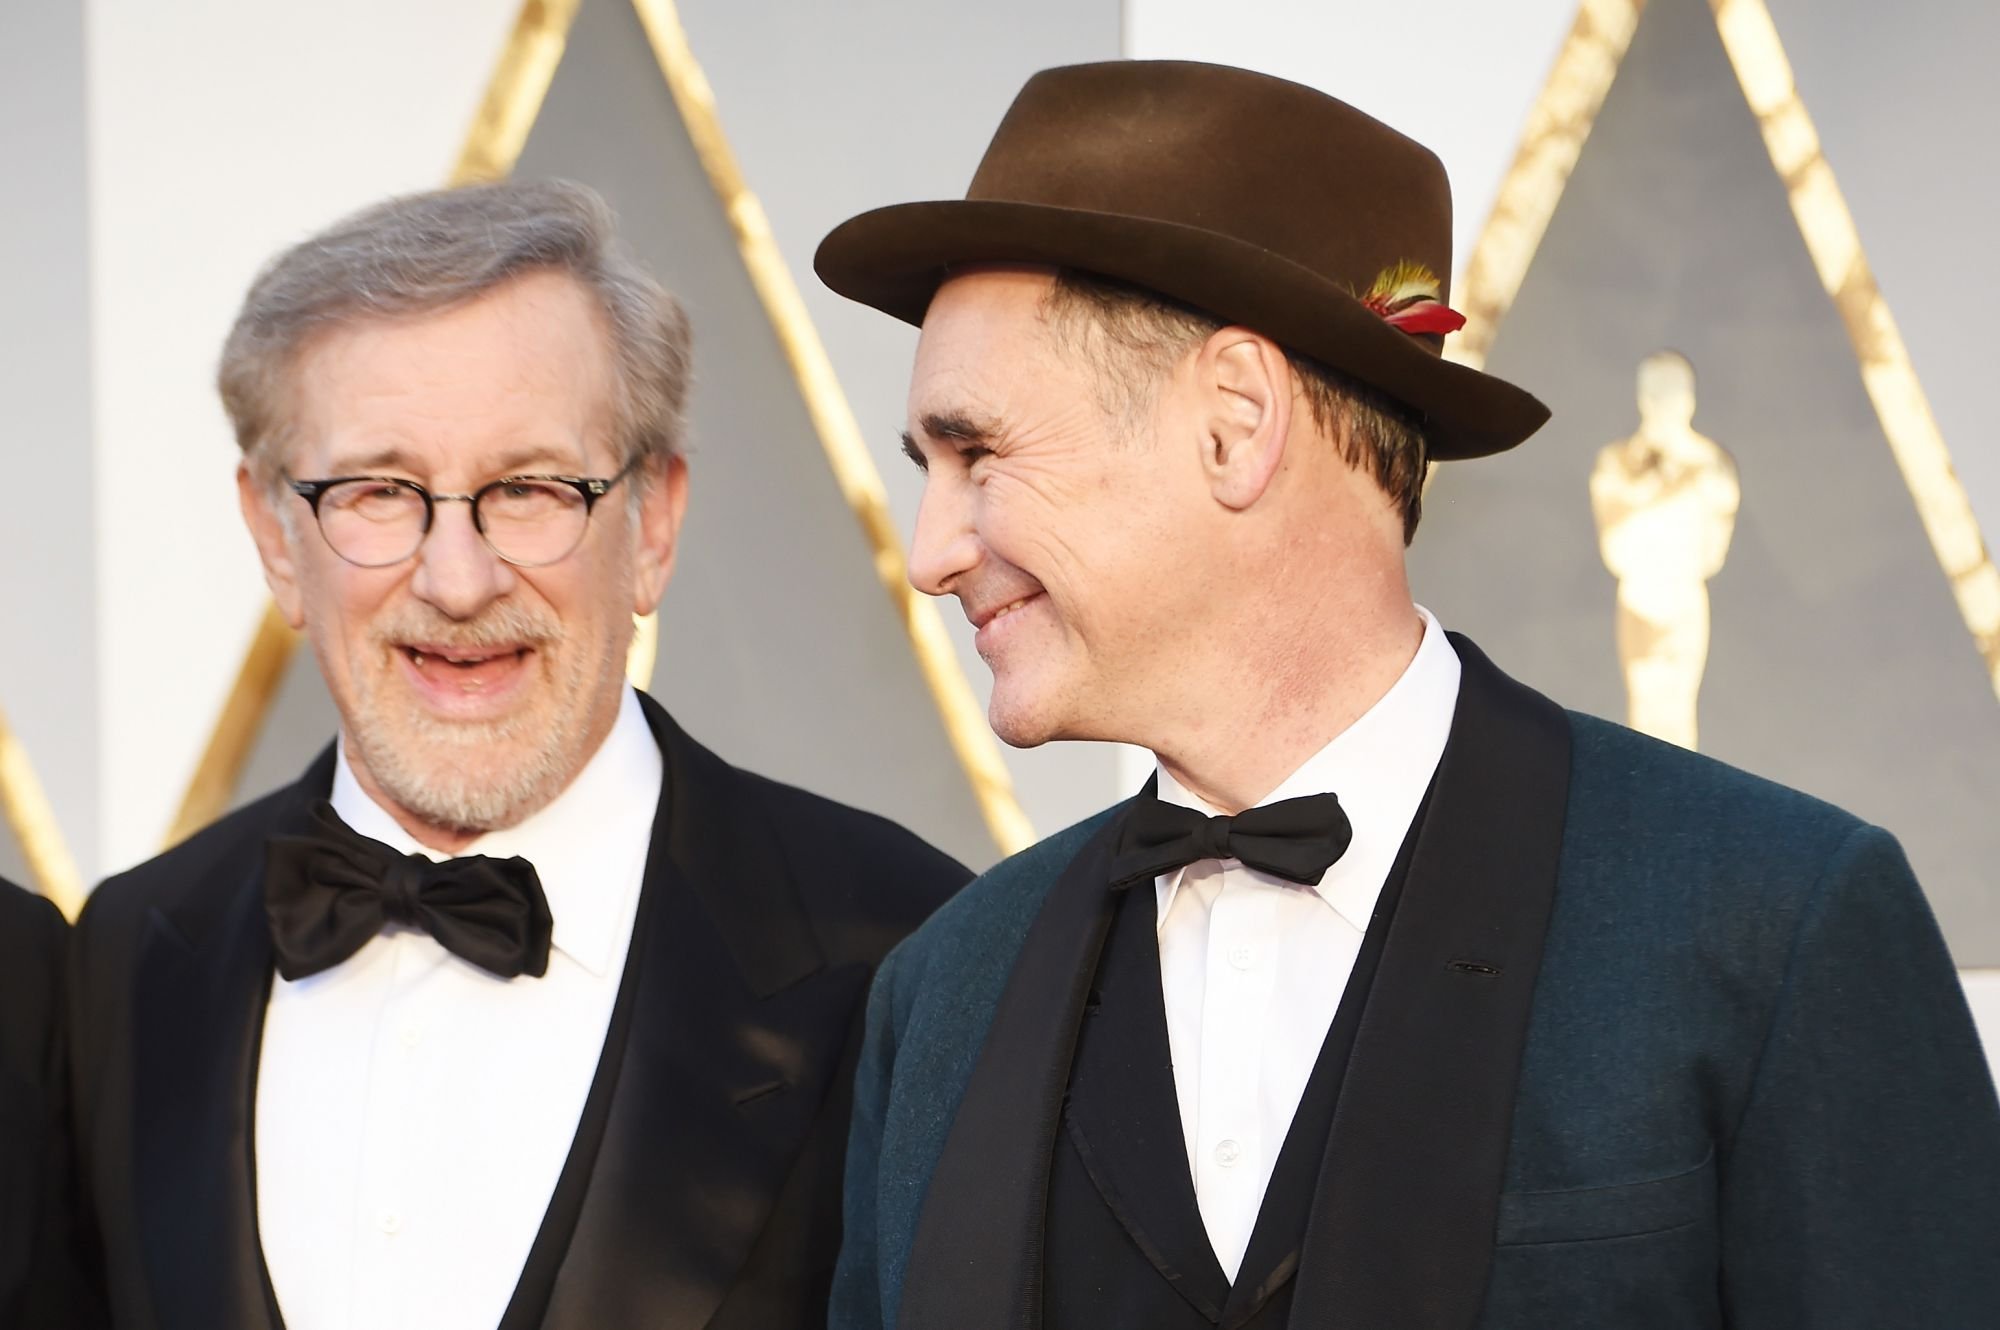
x=1403, y=282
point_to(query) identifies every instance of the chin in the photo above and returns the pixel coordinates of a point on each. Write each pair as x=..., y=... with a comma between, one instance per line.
x=1021, y=722
x=470, y=775
x=467, y=777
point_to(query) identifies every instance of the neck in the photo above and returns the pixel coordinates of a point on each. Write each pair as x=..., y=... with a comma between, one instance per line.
x=1241, y=742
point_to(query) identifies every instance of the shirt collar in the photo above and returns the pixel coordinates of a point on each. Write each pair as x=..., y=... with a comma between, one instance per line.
x=1379, y=767
x=575, y=842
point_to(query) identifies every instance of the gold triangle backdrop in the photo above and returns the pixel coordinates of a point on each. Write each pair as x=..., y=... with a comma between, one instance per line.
x=1550, y=145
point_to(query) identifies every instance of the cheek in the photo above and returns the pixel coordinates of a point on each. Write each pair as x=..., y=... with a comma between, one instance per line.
x=1079, y=534
x=341, y=601
x=1044, y=522
x=589, y=599
x=607, y=563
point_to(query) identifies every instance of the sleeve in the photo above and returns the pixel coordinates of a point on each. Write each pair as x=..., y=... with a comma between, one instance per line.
x=1859, y=1188
x=857, y=1291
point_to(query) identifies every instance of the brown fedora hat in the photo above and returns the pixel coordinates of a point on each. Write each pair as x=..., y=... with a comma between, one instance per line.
x=1258, y=200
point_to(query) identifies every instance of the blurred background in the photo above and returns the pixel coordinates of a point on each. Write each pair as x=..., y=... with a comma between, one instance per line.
x=1787, y=193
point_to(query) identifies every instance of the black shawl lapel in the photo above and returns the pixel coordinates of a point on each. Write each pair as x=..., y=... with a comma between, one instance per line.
x=976, y=1260
x=1402, y=1235
x=734, y=1031
x=198, y=1024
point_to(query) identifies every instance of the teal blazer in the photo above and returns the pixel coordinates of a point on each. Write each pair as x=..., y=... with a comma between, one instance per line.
x=1653, y=1043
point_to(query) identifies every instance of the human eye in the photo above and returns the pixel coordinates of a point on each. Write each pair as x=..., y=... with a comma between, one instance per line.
x=530, y=497
x=374, y=498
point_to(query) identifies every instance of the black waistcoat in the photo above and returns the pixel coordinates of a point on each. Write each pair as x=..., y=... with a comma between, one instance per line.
x=1125, y=1246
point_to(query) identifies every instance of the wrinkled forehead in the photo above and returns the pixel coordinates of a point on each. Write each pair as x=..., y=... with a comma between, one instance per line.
x=985, y=328
x=524, y=374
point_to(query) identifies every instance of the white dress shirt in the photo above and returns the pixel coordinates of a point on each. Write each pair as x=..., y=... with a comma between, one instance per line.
x=1252, y=967
x=414, y=1111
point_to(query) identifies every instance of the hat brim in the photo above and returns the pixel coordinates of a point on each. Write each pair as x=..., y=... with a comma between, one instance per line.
x=895, y=258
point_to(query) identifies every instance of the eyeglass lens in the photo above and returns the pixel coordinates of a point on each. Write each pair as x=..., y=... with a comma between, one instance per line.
x=527, y=522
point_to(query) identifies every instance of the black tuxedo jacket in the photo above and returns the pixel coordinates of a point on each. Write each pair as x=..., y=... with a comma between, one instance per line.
x=703, y=1186
x=37, y=1267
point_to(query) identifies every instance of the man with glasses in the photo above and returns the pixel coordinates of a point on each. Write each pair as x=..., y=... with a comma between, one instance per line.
x=520, y=1008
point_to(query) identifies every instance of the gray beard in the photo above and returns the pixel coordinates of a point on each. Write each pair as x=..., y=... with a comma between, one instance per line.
x=447, y=775
x=445, y=772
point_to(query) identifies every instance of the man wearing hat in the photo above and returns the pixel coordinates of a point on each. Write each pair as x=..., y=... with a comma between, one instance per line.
x=1401, y=998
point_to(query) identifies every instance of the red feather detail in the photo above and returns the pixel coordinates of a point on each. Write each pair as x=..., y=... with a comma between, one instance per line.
x=1426, y=316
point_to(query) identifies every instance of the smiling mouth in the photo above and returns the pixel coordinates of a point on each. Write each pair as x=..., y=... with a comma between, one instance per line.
x=1005, y=610
x=455, y=675
x=422, y=657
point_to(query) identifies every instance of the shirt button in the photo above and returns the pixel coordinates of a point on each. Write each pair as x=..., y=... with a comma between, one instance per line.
x=1243, y=956
x=1227, y=1153
x=412, y=1034
x=389, y=1222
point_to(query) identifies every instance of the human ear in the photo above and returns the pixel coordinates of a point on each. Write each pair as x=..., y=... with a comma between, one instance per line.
x=1245, y=385
x=663, y=493
x=274, y=547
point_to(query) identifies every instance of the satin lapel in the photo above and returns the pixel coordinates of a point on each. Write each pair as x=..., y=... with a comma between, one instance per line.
x=1401, y=1236
x=198, y=1023
x=737, y=1034
x=976, y=1260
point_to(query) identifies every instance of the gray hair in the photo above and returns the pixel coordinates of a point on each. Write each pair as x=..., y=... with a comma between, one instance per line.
x=423, y=253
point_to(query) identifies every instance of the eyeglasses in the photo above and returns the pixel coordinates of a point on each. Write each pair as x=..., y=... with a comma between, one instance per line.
x=530, y=521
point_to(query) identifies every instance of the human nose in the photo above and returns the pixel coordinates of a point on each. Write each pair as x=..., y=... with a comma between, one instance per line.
x=457, y=571
x=945, y=546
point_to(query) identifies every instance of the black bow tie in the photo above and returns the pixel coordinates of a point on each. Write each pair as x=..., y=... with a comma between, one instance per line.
x=331, y=890
x=1295, y=839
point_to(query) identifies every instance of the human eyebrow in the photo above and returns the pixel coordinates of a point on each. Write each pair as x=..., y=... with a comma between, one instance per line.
x=382, y=460
x=963, y=432
x=521, y=461
x=958, y=427
x=534, y=459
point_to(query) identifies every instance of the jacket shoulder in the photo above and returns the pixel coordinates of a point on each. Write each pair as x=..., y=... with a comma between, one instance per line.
x=1716, y=938
x=26, y=912
x=1684, y=889
x=32, y=937
x=977, y=933
x=1635, y=799
x=863, y=880
x=853, y=834
x=211, y=859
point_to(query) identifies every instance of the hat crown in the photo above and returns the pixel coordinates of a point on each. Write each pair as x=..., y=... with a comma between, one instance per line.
x=1268, y=162
x=1263, y=202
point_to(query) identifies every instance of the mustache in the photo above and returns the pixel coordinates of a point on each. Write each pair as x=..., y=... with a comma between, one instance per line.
x=500, y=624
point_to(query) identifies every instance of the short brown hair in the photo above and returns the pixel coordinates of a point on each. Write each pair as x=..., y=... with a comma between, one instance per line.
x=1133, y=336
x=423, y=253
